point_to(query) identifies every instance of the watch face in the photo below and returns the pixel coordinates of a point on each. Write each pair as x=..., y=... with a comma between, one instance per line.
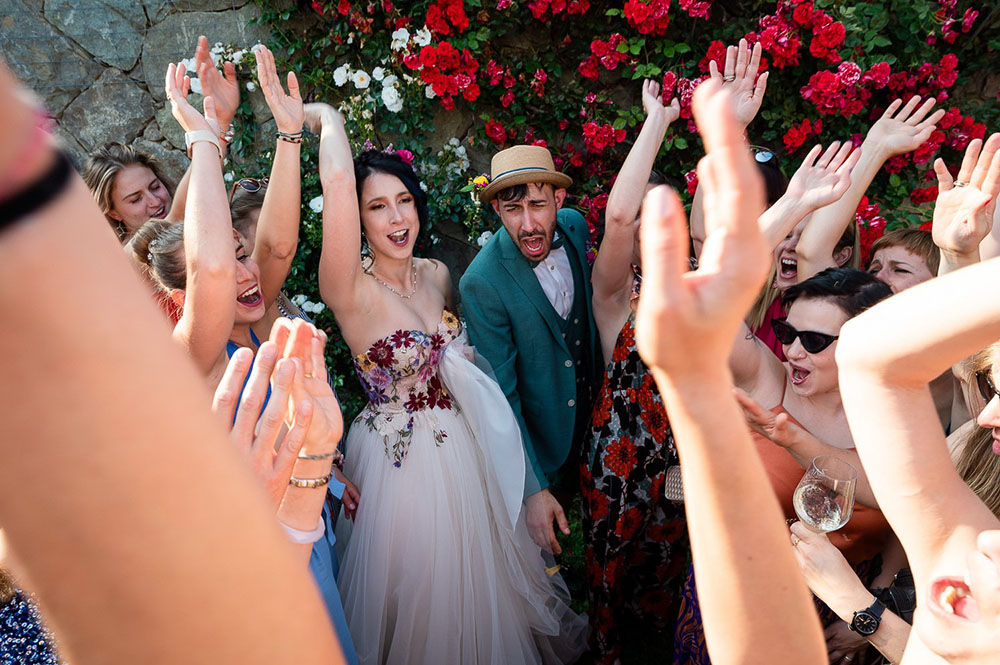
x=865, y=623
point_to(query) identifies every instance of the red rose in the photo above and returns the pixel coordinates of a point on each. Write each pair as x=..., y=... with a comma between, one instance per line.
x=496, y=132
x=717, y=52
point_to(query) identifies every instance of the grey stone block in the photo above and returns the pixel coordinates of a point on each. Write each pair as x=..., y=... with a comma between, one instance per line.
x=114, y=108
x=174, y=162
x=45, y=60
x=207, y=5
x=157, y=10
x=176, y=37
x=152, y=132
x=169, y=127
x=110, y=30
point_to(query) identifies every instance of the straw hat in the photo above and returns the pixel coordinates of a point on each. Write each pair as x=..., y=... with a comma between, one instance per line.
x=519, y=165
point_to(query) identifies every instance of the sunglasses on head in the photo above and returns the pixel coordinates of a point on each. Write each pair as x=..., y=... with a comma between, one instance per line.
x=985, y=383
x=248, y=185
x=762, y=155
x=812, y=342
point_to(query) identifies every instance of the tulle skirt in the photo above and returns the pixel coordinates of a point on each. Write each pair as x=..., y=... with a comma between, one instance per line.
x=437, y=568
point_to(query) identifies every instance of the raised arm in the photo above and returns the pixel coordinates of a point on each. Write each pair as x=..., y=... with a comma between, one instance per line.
x=739, y=78
x=887, y=357
x=612, y=275
x=225, y=92
x=963, y=212
x=340, y=261
x=278, y=224
x=743, y=564
x=209, y=246
x=116, y=377
x=892, y=134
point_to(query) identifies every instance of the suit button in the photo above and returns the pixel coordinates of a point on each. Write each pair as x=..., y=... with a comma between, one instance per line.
x=576, y=320
x=569, y=363
x=571, y=403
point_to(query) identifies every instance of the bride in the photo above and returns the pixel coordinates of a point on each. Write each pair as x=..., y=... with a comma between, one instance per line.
x=439, y=567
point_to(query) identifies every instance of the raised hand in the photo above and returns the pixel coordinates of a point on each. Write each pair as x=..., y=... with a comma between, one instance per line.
x=652, y=102
x=905, y=131
x=740, y=79
x=225, y=90
x=271, y=462
x=287, y=109
x=177, y=85
x=963, y=214
x=302, y=344
x=686, y=319
x=820, y=182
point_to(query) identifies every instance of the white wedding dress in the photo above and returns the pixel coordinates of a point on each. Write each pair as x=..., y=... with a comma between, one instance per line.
x=439, y=568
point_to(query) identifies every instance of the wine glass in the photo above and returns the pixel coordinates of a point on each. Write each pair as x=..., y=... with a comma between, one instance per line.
x=824, y=498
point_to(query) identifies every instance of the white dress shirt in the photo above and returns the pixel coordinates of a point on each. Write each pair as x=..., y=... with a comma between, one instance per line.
x=555, y=276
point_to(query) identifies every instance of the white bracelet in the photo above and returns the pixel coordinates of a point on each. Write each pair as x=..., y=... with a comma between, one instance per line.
x=304, y=537
x=199, y=135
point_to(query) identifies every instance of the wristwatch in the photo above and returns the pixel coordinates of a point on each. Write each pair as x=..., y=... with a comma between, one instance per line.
x=867, y=621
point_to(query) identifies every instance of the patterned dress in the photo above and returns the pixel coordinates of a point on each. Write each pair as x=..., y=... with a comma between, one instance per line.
x=636, y=540
x=439, y=567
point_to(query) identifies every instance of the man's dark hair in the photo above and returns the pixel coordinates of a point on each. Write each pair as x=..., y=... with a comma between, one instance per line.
x=852, y=290
x=376, y=161
x=517, y=192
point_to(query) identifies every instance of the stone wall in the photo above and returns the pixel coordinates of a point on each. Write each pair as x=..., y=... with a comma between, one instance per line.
x=99, y=64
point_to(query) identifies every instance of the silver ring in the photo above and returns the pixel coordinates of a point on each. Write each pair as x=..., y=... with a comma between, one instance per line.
x=795, y=540
x=848, y=657
x=729, y=79
x=959, y=183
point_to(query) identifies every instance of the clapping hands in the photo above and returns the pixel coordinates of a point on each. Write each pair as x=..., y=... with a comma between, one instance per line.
x=741, y=81
x=823, y=179
x=177, y=85
x=225, y=90
x=905, y=131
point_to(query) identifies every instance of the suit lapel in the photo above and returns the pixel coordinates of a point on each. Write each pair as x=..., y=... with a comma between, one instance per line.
x=520, y=271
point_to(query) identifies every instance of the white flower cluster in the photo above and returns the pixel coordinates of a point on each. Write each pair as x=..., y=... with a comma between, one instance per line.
x=401, y=38
x=454, y=158
x=306, y=306
x=316, y=204
x=392, y=89
x=219, y=54
x=484, y=238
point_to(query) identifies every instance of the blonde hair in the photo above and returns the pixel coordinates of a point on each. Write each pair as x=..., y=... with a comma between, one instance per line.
x=103, y=166
x=977, y=464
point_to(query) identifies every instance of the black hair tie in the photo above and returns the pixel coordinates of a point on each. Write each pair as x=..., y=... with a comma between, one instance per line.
x=38, y=194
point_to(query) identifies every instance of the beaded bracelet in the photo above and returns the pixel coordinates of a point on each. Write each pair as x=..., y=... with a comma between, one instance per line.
x=290, y=137
x=310, y=483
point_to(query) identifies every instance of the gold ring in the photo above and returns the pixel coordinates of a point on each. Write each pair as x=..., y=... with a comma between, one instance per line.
x=729, y=79
x=795, y=540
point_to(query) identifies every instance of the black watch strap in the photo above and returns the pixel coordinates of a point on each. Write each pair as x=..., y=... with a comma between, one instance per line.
x=867, y=621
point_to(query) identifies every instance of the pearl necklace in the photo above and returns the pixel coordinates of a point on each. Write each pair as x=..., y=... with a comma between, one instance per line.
x=393, y=290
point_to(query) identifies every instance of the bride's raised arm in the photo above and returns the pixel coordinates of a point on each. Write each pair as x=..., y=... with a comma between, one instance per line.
x=340, y=261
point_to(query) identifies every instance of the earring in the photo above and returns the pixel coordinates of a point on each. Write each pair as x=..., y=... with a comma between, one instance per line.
x=367, y=256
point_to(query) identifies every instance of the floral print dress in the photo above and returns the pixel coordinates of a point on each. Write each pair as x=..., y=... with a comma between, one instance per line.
x=636, y=544
x=439, y=566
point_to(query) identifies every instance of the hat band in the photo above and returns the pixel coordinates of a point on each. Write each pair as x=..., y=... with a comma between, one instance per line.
x=523, y=168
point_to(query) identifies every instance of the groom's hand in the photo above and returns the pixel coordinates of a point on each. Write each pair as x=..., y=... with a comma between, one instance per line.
x=542, y=509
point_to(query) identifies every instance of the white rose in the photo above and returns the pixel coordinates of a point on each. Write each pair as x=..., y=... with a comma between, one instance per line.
x=340, y=75
x=392, y=99
x=251, y=86
x=228, y=176
x=484, y=238
x=299, y=299
x=429, y=92
x=237, y=57
x=400, y=38
x=378, y=73
x=390, y=80
x=361, y=79
x=196, y=86
x=423, y=36
x=316, y=205
x=317, y=307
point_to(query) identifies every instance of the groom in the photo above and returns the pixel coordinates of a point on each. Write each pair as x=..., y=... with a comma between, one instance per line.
x=527, y=302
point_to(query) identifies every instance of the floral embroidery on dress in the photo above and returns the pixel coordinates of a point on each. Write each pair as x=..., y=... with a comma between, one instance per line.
x=399, y=374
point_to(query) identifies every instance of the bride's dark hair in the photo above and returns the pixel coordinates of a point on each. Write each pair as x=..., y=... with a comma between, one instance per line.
x=376, y=161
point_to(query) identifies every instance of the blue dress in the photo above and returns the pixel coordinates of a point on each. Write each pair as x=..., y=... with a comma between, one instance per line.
x=323, y=561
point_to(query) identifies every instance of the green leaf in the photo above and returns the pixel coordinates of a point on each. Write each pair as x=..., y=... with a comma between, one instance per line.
x=619, y=123
x=680, y=143
x=881, y=41
x=895, y=180
x=682, y=48
x=613, y=12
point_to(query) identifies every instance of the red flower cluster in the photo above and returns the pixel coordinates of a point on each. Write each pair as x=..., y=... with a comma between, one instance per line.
x=691, y=179
x=797, y=134
x=846, y=91
x=447, y=70
x=538, y=82
x=598, y=137
x=542, y=9
x=871, y=226
x=960, y=129
x=948, y=17
x=495, y=132
x=343, y=7
x=924, y=194
x=783, y=32
x=929, y=80
x=442, y=15
x=696, y=8
x=648, y=17
x=605, y=54
x=573, y=156
x=717, y=52
x=498, y=75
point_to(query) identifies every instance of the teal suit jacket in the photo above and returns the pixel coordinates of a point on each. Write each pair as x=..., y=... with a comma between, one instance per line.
x=513, y=325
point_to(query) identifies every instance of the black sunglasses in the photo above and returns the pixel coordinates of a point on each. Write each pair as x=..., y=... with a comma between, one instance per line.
x=985, y=383
x=812, y=342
